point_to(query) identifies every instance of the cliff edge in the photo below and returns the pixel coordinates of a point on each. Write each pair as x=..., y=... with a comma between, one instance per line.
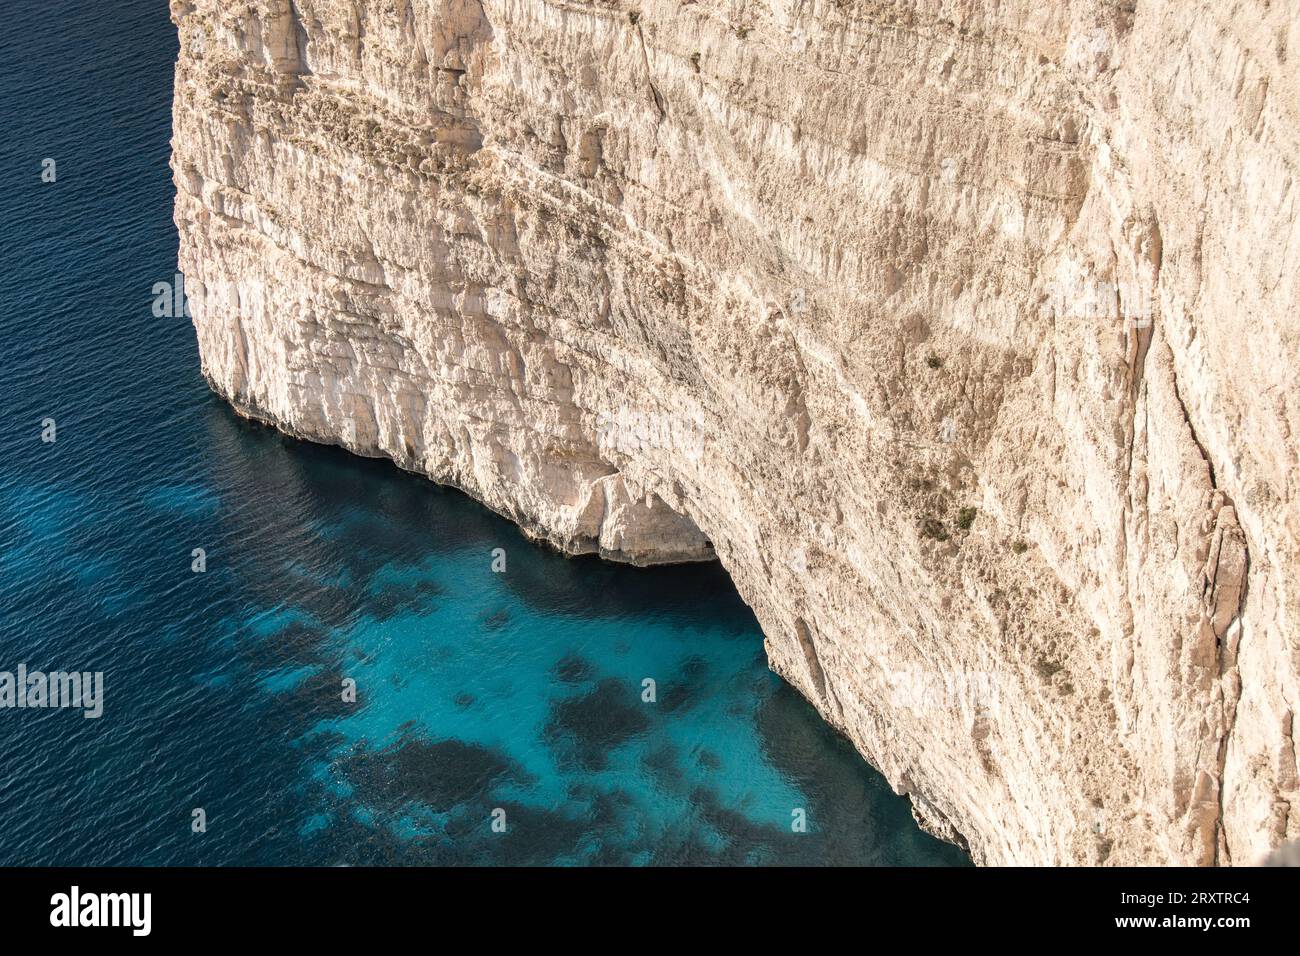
x=963, y=333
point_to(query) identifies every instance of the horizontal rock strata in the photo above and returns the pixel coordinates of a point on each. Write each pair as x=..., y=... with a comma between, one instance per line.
x=963, y=333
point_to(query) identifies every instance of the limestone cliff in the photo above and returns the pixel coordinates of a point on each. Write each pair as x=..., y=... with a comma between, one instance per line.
x=963, y=332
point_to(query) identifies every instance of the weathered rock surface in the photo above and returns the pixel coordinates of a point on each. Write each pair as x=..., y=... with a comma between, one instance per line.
x=798, y=282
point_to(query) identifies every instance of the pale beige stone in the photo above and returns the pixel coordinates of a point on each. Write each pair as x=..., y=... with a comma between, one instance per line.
x=796, y=283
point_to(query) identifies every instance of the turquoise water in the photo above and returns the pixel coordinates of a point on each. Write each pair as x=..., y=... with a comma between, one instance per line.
x=514, y=697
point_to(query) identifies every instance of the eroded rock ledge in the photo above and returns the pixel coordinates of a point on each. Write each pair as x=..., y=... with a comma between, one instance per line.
x=963, y=332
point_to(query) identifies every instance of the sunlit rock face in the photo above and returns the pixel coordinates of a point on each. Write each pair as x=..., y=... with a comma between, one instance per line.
x=963, y=333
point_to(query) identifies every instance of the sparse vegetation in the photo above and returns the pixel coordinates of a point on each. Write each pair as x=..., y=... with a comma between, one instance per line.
x=1019, y=547
x=1047, y=668
x=966, y=518
x=695, y=61
x=633, y=17
x=934, y=361
x=933, y=528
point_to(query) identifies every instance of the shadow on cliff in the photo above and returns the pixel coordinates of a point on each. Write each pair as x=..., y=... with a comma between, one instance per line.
x=366, y=513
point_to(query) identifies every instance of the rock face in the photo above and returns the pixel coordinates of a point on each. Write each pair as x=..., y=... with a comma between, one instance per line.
x=964, y=333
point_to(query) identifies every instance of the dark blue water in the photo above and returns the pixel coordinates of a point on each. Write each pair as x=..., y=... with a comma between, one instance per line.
x=477, y=691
